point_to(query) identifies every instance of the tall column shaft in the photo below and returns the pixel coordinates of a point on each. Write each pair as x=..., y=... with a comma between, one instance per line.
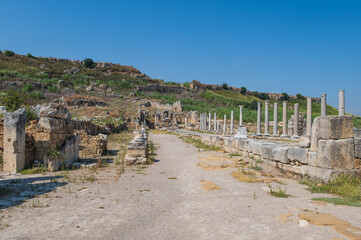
x=241, y=115
x=225, y=124
x=215, y=122
x=275, y=119
x=266, y=118
x=323, y=105
x=296, y=120
x=231, y=130
x=210, y=121
x=259, y=118
x=341, y=103
x=309, y=116
x=284, y=119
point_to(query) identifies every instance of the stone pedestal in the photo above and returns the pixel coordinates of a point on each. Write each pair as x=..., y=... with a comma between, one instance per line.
x=14, y=141
x=323, y=105
x=241, y=133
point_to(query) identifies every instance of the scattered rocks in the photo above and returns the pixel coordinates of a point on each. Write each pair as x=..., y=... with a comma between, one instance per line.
x=72, y=70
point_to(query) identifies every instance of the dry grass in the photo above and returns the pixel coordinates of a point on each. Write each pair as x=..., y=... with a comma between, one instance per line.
x=244, y=176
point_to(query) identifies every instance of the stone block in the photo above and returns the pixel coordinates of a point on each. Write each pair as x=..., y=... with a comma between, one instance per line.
x=53, y=110
x=241, y=132
x=334, y=127
x=312, y=158
x=317, y=172
x=243, y=144
x=52, y=125
x=267, y=151
x=297, y=154
x=357, y=142
x=357, y=133
x=14, y=141
x=280, y=154
x=338, y=154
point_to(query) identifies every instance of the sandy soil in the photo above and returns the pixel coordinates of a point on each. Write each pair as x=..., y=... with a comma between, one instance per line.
x=176, y=197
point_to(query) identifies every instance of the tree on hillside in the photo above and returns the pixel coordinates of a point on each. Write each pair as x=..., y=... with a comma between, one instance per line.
x=253, y=105
x=300, y=97
x=263, y=96
x=225, y=86
x=89, y=63
x=285, y=97
x=243, y=90
x=9, y=53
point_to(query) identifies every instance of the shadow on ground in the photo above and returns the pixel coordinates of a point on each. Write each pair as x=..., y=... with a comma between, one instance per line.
x=14, y=192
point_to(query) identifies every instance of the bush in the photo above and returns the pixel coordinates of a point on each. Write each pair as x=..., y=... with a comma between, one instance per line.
x=253, y=105
x=29, y=55
x=285, y=97
x=11, y=100
x=300, y=97
x=89, y=63
x=30, y=114
x=186, y=85
x=36, y=95
x=225, y=86
x=9, y=53
x=243, y=90
x=27, y=88
x=263, y=96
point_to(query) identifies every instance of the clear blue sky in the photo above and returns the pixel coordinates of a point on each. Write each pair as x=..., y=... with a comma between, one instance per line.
x=307, y=47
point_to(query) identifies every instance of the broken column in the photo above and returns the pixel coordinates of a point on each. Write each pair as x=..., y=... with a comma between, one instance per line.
x=266, y=118
x=341, y=103
x=296, y=121
x=258, y=118
x=284, y=120
x=231, y=130
x=240, y=115
x=309, y=116
x=137, y=149
x=275, y=119
x=323, y=105
x=14, y=140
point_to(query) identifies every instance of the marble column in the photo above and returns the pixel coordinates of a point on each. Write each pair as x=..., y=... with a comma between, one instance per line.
x=259, y=118
x=323, y=105
x=241, y=115
x=275, y=119
x=284, y=120
x=225, y=124
x=215, y=122
x=210, y=121
x=231, y=130
x=309, y=116
x=341, y=103
x=185, y=122
x=295, y=121
x=266, y=119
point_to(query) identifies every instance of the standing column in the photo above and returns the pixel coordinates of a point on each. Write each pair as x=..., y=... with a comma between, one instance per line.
x=231, y=130
x=296, y=120
x=215, y=122
x=259, y=118
x=275, y=119
x=323, y=105
x=200, y=121
x=341, y=103
x=240, y=115
x=186, y=122
x=284, y=120
x=309, y=116
x=210, y=121
x=225, y=124
x=266, y=119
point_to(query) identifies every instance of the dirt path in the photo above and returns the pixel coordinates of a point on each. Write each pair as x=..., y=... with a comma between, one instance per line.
x=172, y=199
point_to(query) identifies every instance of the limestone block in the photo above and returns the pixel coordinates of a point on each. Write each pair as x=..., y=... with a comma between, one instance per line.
x=312, y=158
x=357, y=142
x=280, y=154
x=234, y=142
x=357, y=133
x=334, y=127
x=304, y=142
x=317, y=172
x=243, y=144
x=241, y=132
x=267, y=151
x=53, y=110
x=297, y=154
x=52, y=125
x=70, y=149
x=14, y=141
x=336, y=153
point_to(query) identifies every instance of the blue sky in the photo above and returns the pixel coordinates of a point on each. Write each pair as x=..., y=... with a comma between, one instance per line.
x=307, y=47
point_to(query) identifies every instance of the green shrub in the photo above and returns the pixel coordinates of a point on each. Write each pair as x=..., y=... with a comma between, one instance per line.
x=9, y=53
x=285, y=97
x=36, y=95
x=29, y=55
x=243, y=90
x=11, y=100
x=300, y=97
x=186, y=85
x=225, y=86
x=27, y=88
x=89, y=63
x=30, y=114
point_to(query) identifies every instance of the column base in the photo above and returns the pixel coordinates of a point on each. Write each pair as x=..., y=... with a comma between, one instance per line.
x=295, y=137
x=285, y=136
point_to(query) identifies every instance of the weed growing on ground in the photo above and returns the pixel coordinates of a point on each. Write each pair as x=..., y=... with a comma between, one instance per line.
x=34, y=170
x=346, y=186
x=197, y=143
x=244, y=176
x=279, y=193
x=338, y=201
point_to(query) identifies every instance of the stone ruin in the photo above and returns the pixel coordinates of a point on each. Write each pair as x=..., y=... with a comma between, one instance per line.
x=52, y=140
x=137, y=149
x=165, y=119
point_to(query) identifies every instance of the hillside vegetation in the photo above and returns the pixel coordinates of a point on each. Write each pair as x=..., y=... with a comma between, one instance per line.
x=124, y=81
